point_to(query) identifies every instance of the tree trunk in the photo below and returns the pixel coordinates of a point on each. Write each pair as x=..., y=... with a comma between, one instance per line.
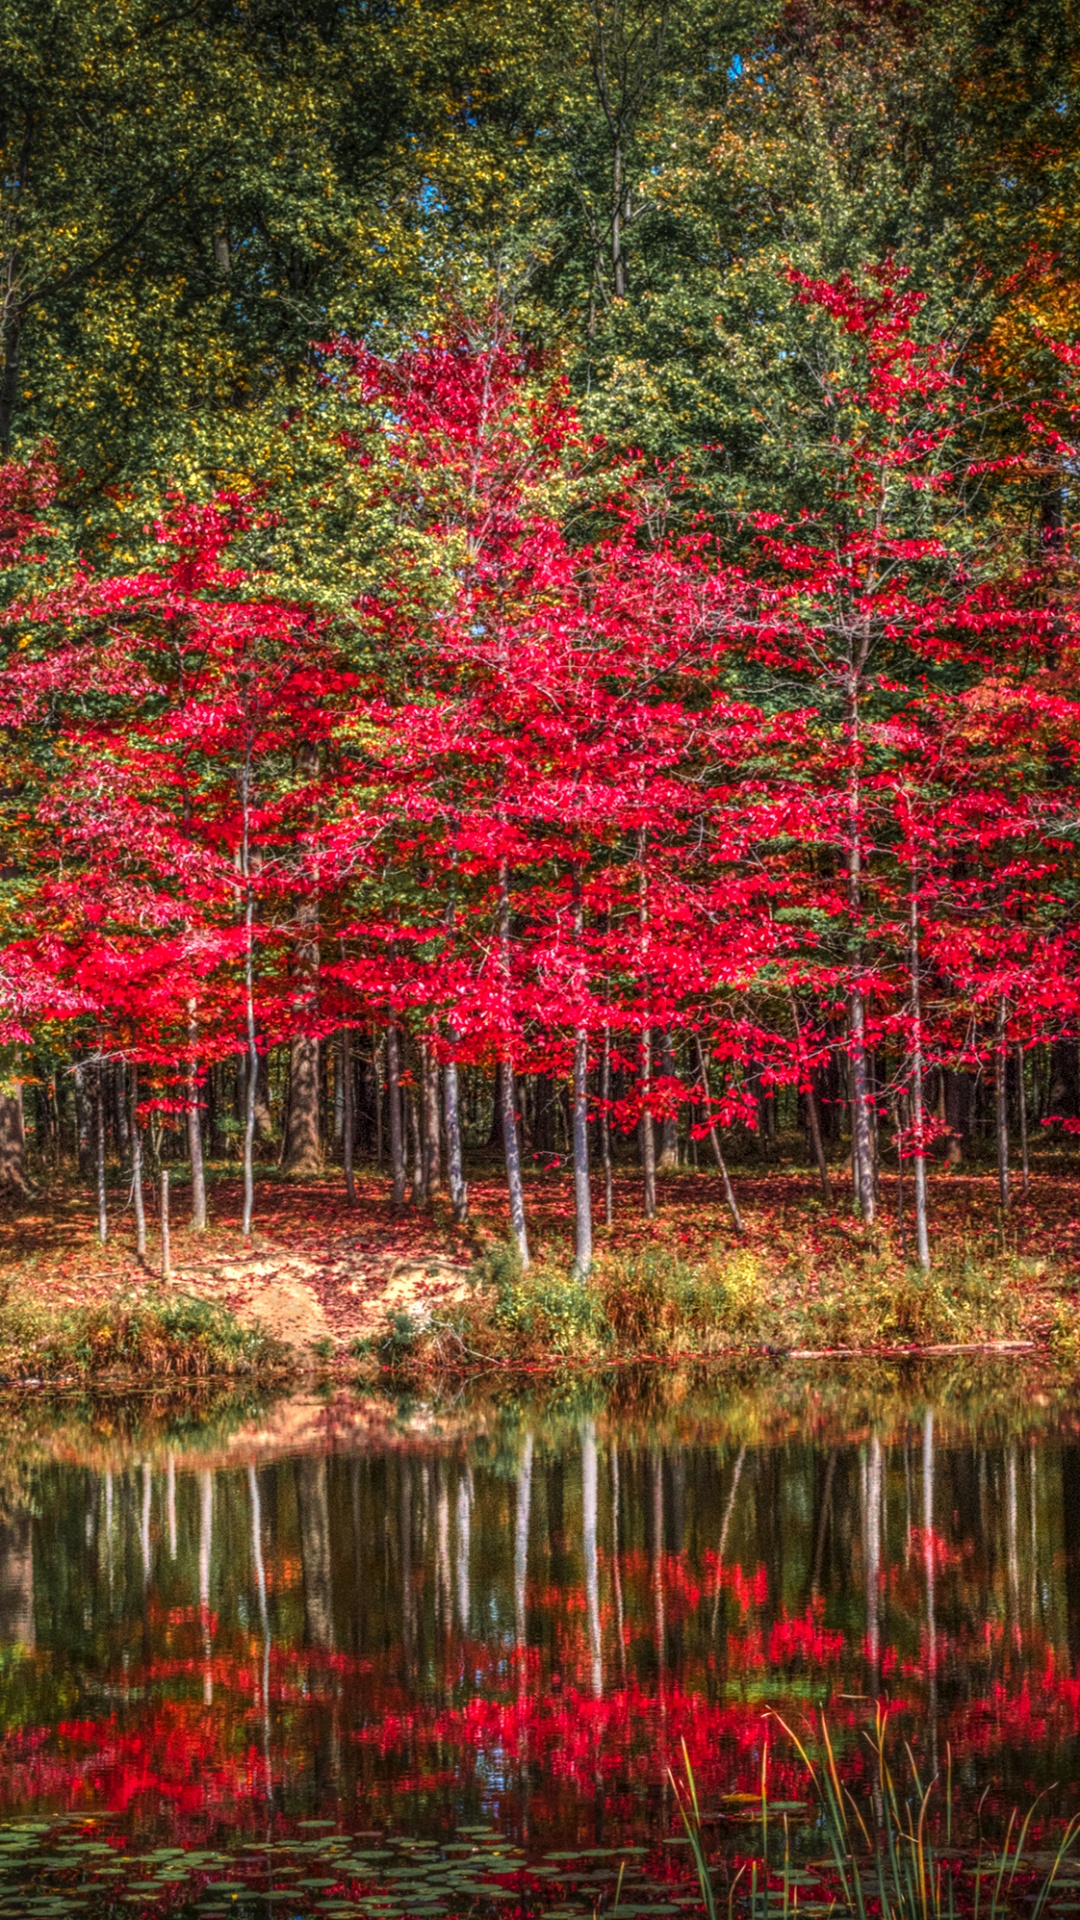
x=429, y=1068
x=99, y=1149
x=13, y=1178
x=303, y=1147
x=397, y=1129
x=922, y=1233
x=861, y=1142
x=1022, y=1103
x=1001, y=1103
x=459, y=1192
x=83, y=1147
x=669, y=1126
x=137, y=1168
x=194, y=1130
x=583, y=1239
x=511, y=1147
x=413, y=1128
x=605, y=1124
x=166, y=1242
x=348, y=1120
x=648, y=1137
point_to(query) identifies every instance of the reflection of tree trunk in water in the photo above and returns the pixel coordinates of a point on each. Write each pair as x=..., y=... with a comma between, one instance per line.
x=313, y=1507
x=444, y=1586
x=108, y=1491
x=144, y=1524
x=768, y=1523
x=17, y=1579
x=464, y=1541
x=928, y=1562
x=408, y=1634
x=657, y=1465
x=592, y=1571
x=521, y=1538
x=170, y=1503
x=722, y=1544
x=676, y=1529
x=872, y=1552
x=360, y=1573
x=824, y=1512
x=206, y=1541
x=264, y=1618
x=558, y=1562
x=616, y=1572
x=1012, y=1551
x=1036, y=1589
x=521, y=1575
x=1070, y=1508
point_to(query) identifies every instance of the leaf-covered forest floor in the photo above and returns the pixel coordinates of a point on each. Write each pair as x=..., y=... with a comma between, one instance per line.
x=324, y=1282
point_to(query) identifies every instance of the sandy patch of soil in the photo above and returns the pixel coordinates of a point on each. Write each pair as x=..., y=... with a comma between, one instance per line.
x=320, y=1304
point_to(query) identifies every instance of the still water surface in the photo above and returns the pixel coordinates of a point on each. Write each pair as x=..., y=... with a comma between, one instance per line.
x=387, y=1672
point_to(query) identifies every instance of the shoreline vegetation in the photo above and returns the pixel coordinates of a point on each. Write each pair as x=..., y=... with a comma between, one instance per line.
x=329, y=1287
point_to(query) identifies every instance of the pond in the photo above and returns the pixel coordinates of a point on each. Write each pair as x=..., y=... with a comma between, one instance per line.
x=410, y=1657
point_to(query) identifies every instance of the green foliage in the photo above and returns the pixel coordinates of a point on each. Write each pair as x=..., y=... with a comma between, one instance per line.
x=543, y=1311
x=878, y=1299
x=150, y=1334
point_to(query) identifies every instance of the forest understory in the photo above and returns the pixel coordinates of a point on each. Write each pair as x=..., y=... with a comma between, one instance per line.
x=324, y=1285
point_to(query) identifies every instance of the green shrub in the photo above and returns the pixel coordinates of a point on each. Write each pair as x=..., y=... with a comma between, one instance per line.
x=159, y=1334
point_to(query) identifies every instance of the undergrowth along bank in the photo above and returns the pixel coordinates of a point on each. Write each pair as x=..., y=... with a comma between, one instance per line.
x=143, y=1334
x=650, y=1303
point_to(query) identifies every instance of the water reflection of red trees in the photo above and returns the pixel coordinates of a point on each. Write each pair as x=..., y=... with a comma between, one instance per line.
x=534, y=1634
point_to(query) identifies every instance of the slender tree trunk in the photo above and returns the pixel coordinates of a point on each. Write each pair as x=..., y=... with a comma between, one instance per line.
x=812, y=1116
x=1001, y=1103
x=1022, y=1099
x=922, y=1232
x=459, y=1192
x=861, y=1141
x=579, y=1118
x=413, y=1125
x=509, y=1102
x=348, y=1120
x=251, y=1083
x=714, y=1141
x=99, y=1146
x=166, y=1242
x=648, y=1135
x=137, y=1168
x=251, y=1075
x=432, y=1128
x=83, y=1148
x=669, y=1126
x=397, y=1129
x=194, y=1130
x=377, y=1078
x=605, y=1124
x=583, y=1235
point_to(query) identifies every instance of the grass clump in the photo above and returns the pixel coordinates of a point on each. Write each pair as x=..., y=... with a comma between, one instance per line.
x=901, y=1856
x=160, y=1335
x=879, y=1299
